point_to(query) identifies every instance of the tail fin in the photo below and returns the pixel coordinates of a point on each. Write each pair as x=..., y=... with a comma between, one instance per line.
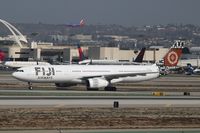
x=2, y=56
x=140, y=56
x=172, y=57
x=82, y=23
x=80, y=51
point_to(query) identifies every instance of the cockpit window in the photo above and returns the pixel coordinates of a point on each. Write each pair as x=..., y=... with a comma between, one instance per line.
x=20, y=71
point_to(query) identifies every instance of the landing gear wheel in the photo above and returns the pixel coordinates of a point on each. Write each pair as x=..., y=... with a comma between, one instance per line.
x=110, y=88
x=30, y=86
x=92, y=89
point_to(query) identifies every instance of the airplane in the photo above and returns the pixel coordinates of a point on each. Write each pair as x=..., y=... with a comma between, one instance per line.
x=81, y=24
x=93, y=76
x=18, y=64
x=84, y=60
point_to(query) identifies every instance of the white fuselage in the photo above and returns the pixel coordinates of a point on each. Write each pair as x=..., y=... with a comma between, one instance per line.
x=80, y=73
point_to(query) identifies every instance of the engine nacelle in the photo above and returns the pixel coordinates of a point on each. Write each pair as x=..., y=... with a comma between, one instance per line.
x=97, y=83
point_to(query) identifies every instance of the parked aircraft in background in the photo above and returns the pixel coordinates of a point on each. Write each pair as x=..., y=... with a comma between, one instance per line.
x=172, y=57
x=18, y=64
x=81, y=24
x=84, y=60
x=93, y=76
x=170, y=60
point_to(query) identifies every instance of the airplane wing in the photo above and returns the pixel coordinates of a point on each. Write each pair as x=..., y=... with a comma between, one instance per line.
x=120, y=75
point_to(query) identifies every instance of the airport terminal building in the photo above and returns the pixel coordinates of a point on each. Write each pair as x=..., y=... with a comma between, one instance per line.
x=49, y=52
x=17, y=48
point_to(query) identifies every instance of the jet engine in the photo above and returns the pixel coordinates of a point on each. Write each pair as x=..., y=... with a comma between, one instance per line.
x=97, y=83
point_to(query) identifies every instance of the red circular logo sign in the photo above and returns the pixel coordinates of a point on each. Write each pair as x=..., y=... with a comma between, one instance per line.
x=172, y=57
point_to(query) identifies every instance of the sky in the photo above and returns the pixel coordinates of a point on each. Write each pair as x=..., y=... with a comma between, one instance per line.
x=122, y=12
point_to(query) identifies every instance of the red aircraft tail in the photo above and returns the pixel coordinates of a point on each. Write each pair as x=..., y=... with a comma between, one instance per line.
x=2, y=55
x=81, y=55
x=82, y=23
x=172, y=57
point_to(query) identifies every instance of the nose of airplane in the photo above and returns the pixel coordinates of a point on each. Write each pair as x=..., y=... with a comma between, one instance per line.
x=14, y=74
x=17, y=75
x=20, y=75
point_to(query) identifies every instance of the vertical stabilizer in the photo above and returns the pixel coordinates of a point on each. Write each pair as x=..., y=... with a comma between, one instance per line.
x=80, y=52
x=140, y=56
x=2, y=56
x=82, y=23
x=172, y=57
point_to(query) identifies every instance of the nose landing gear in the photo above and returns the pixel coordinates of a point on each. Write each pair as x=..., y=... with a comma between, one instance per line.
x=30, y=86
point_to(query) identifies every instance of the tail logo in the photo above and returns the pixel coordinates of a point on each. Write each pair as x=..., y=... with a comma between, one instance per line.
x=82, y=23
x=172, y=57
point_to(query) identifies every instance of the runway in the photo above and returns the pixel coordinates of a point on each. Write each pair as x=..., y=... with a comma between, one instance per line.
x=99, y=102
x=14, y=93
x=74, y=107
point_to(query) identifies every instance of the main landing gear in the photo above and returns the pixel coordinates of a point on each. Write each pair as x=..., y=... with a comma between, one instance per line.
x=110, y=88
x=92, y=89
x=30, y=87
